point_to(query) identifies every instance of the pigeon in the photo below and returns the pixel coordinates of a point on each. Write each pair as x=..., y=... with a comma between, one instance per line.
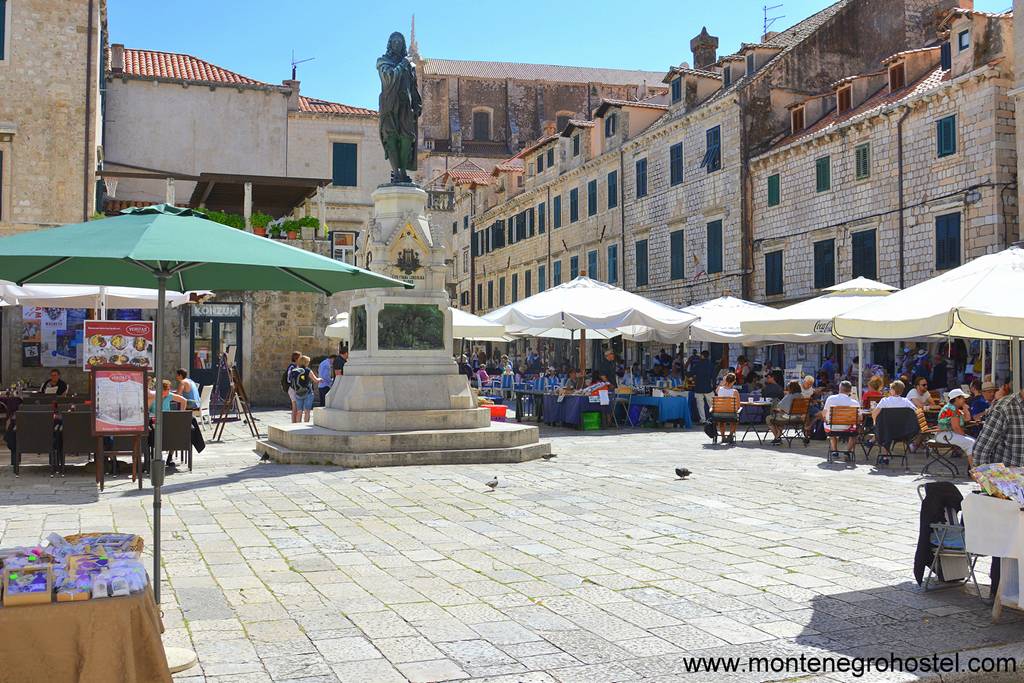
x=492, y=484
x=682, y=472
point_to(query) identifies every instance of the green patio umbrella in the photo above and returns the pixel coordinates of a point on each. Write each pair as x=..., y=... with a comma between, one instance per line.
x=177, y=249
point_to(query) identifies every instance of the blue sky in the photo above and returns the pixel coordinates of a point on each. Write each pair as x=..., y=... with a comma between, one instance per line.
x=256, y=37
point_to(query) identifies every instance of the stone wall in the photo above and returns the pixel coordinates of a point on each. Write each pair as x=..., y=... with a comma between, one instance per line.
x=48, y=169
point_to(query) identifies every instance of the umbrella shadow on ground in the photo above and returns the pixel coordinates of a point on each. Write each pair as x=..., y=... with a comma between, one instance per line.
x=905, y=621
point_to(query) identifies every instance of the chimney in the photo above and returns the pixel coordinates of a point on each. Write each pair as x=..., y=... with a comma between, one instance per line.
x=293, y=97
x=966, y=4
x=705, y=49
x=117, y=58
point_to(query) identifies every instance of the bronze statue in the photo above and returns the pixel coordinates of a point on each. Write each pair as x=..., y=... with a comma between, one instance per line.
x=400, y=107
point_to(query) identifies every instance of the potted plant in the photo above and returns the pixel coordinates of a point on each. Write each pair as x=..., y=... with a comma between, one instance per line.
x=291, y=227
x=275, y=231
x=259, y=223
x=308, y=226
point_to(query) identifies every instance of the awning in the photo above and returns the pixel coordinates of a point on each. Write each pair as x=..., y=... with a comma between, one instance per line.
x=272, y=195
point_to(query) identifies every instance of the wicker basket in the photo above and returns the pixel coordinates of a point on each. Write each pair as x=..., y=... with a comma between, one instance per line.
x=134, y=546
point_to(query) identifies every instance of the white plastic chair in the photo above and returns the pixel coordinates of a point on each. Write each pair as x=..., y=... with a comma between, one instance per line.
x=204, y=405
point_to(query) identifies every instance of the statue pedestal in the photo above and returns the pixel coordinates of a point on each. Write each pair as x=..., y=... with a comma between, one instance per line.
x=402, y=399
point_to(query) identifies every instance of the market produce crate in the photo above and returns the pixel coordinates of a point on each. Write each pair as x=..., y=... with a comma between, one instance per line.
x=498, y=412
x=19, y=588
x=591, y=421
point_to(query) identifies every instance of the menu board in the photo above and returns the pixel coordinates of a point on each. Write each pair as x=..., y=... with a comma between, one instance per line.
x=119, y=400
x=118, y=342
x=51, y=337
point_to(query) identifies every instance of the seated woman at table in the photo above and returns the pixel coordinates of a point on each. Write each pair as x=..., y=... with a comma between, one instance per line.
x=575, y=381
x=169, y=397
x=952, y=421
x=727, y=429
x=781, y=413
x=874, y=392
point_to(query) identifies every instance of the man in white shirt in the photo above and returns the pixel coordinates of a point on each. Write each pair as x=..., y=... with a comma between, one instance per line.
x=919, y=395
x=843, y=398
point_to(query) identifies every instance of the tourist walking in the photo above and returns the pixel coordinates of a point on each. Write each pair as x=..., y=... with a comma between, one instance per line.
x=326, y=372
x=302, y=380
x=703, y=383
x=286, y=383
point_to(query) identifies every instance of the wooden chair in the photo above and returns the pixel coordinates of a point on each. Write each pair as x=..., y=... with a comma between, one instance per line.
x=842, y=421
x=34, y=433
x=177, y=436
x=725, y=410
x=793, y=426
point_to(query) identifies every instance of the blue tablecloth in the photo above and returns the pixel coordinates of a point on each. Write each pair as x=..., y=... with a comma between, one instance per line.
x=670, y=408
x=570, y=409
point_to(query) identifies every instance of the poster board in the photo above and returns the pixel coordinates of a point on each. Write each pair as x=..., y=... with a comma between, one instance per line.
x=122, y=343
x=343, y=246
x=51, y=337
x=118, y=400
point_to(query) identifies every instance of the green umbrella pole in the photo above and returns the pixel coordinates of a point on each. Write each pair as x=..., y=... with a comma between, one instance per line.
x=156, y=465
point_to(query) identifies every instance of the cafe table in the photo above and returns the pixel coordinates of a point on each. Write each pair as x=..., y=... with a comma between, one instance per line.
x=93, y=641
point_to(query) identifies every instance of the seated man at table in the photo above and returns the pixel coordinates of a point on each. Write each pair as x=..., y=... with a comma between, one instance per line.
x=843, y=398
x=781, y=416
x=772, y=389
x=952, y=421
x=919, y=395
x=54, y=385
x=812, y=394
x=575, y=381
x=895, y=399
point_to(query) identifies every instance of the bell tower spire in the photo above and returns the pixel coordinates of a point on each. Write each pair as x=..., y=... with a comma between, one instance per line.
x=414, y=48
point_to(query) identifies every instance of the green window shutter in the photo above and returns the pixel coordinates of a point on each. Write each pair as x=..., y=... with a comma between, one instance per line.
x=946, y=136
x=675, y=159
x=677, y=266
x=613, y=263
x=591, y=197
x=542, y=278
x=823, y=174
x=947, y=241
x=864, y=258
x=641, y=263
x=344, y=164
x=556, y=273
x=862, y=158
x=641, y=178
x=824, y=263
x=556, y=209
x=592, y=264
x=574, y=267
x=541, y=218
x=714, y=247
x=3, y=27
x=613, y=189
x=574, y=205
x=773, y=273
x=527, y=284
x=515, y=287
x=774, y=190
x=712, y=160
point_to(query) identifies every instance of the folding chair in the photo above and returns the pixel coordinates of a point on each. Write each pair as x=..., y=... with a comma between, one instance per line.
x=623, y=400
x=950, y=549
x=843, y=421
x=935, y=451
x=202, y=413
x=725, y=410
x=793, y=426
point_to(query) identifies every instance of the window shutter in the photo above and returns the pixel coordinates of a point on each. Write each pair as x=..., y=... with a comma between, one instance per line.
x=824, y=263
x=774, y=187
x=675, y=158
x=613, y=263
x=613, y=189
x=946, y=56
x=515, y=287
x=947, y=241
x=542, y=277
x=677, y=265
x=641, y=178
x=715, y=247
x=343, y=172
x=713, y=155
x=823, y=174
x=574, y=205
x=527, y=283
x=773, y=273
x=946, y=136
x=591, y=197
x=556, y=209
x=864, y=261
x=574, y=267
x=862, y=158
x=3, y=27
x=641, y=263
x=541, y=218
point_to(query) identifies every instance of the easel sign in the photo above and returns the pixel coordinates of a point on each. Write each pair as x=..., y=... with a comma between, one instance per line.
x=118, y=397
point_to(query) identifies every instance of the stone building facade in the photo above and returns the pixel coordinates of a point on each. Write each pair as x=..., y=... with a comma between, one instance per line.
x=488, y=111
x=683, y=223
x=896, y=174
x=51, y=135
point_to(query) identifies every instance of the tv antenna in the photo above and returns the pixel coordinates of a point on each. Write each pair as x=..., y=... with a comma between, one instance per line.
x=296, y=62
x=768, y=21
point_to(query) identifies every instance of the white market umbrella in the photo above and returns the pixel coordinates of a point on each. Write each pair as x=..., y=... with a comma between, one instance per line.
x=812, y=319
x=557, y=333
x=588, y=305
x=721, y=319
x=979, y=300
x=464, y=326
x=89, y=296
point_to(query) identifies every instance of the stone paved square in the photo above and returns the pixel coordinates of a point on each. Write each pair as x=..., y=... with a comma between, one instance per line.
x=594, y=565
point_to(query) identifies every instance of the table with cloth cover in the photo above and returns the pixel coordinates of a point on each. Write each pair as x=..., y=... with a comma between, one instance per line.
x=994, y=527
x=570, y=409
x=93, y=641
x=670, y=408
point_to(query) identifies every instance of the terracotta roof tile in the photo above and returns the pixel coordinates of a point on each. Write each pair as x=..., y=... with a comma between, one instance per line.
x=155, y=64
x=880, y=100
x=468, y=173
x=313, y=105
x=537, y=72
x=900, y=55
x=687, y=71
x=513, y=165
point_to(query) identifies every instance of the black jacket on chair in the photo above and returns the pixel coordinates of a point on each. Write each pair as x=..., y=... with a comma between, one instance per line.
x=894, y=425
x=938, y=496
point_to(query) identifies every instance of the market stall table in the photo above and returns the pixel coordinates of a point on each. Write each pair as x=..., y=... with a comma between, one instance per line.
x=93, y=641
x=569, y=409
x=670, y=408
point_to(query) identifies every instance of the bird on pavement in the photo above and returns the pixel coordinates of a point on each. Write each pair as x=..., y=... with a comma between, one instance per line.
x=492, y=484
x=682, y=472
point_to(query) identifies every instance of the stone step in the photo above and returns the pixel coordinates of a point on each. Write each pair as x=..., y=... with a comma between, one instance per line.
x=315, y=439
x=475, y=456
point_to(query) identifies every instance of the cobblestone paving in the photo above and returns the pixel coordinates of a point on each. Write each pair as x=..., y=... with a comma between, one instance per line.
x=597, y=565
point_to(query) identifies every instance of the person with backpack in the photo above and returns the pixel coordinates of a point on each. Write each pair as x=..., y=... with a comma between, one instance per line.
x=303, y=380
x=286, y=383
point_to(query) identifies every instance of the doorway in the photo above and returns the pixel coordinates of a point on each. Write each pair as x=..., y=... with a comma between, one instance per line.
x=215, y=333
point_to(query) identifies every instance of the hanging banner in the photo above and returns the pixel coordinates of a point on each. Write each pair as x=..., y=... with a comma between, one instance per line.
x=51, y=337
x=118, y=342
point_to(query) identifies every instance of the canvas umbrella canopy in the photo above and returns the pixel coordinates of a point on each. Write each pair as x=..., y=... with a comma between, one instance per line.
x=812, y=319
x=978, y=300
x=585, y=305
x=89, y=296
x=175, y=249
x=720, y=320
x=464, y=326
